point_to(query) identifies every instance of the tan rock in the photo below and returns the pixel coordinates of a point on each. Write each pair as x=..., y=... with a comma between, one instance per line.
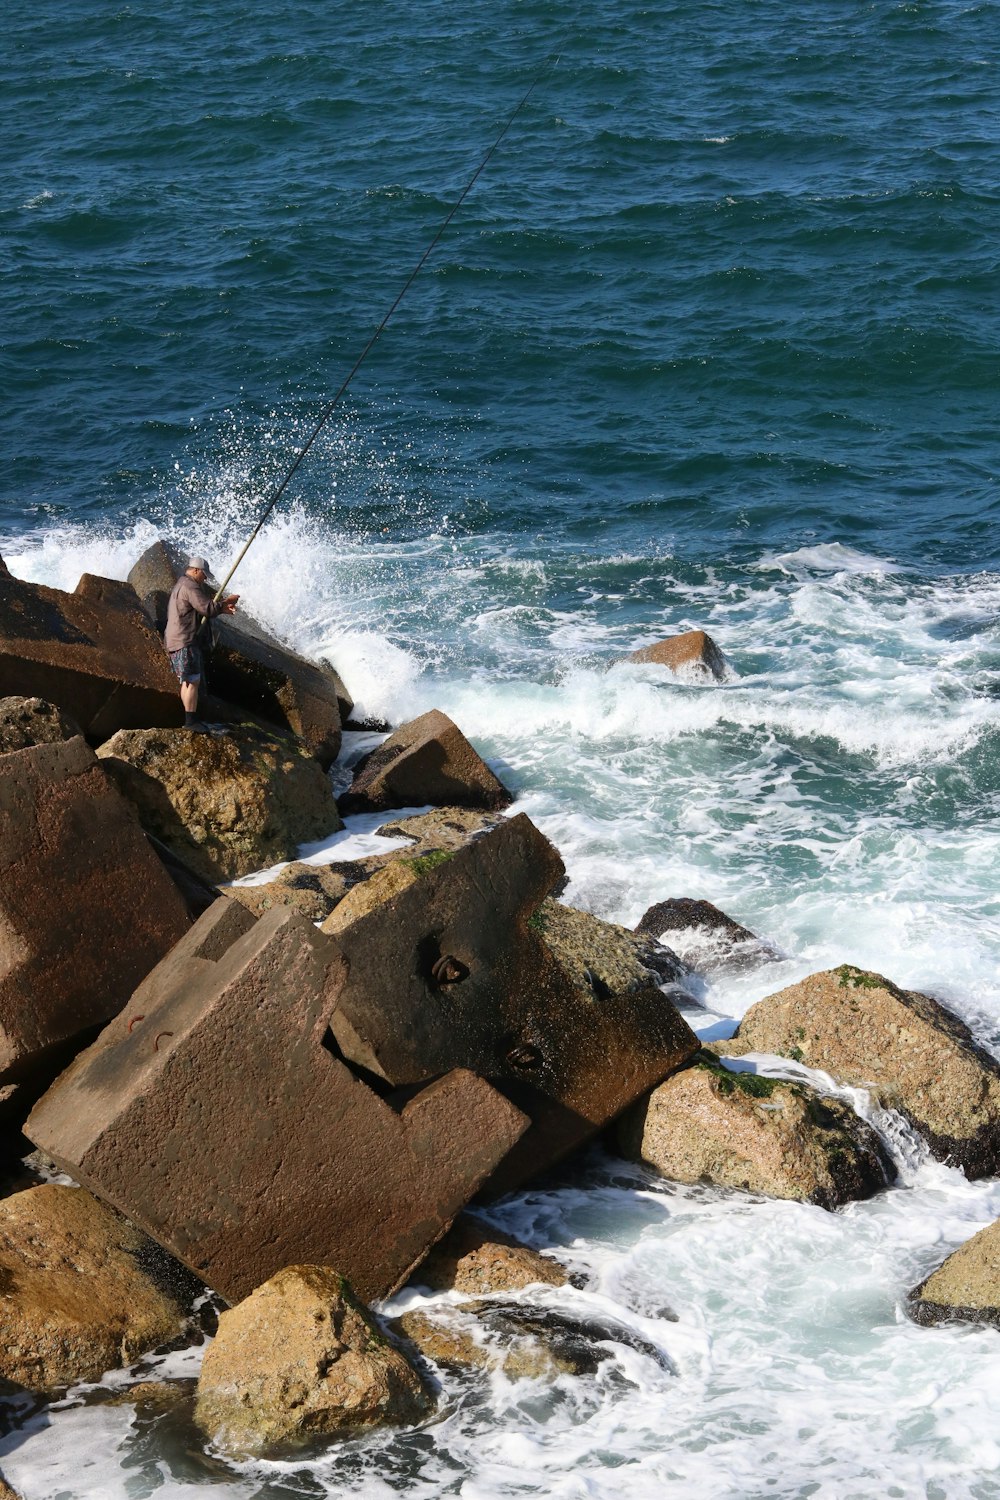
x=313, y=890
x=912, y=1053
x=441, y=828
x=427, y=760
x=32, y=721
x=609, y=958
x=694, y=654
x=455, y=1337
x=301, y=1359
x=75, y=1300
x=760, y=1135
x=475, y=1259
x=225, y=804
x=6, y=1493
x=965, y=1288
x=380, y=887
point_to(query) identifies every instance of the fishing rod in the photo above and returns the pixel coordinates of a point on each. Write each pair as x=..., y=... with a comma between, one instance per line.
x=332, y=405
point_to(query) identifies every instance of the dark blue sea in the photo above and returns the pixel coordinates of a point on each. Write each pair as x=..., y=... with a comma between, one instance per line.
x=712, y=343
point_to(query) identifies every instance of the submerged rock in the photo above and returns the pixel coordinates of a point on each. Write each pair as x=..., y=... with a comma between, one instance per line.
x=760, y=1135
x=705, y=938
x=226, y=804
x=426, y=760
x=32, y=721
x=475, y=1259
x=302, y=1359
x=965, y=1288
x=912, y=1053
x=693, y=654
x=76, y=1298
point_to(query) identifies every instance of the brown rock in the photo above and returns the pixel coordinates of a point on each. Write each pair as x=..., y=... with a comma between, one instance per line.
x=313, y=890
x=475, y=1259
x=760, y=1135
x=722, y=945
x=216, y=1113
x=251, y=667
x=6, y=1493
x=86, y=909
x=913, y=1054
x=302, y=1359
x=694, y=654
x=99, y=661
x=447, y=828
x=225, y=804
x=456, y=1338
x=427, y=760
x=380, y=886
x=75, y=1299
x=460, y=970
x=965, y=1288
x=609, y=958
x=31, y=721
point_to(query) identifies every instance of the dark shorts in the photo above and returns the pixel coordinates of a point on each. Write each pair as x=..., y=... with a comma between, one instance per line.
x=187, y=663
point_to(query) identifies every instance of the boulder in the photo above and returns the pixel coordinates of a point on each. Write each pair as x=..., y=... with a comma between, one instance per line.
x=610, y=958
x=457, y=1338
x=86, y=909
x=475, y=1259
x=913, y=1054
x=77, y=1296
x=705, y=938
x=97, y=658
x=225, y=804
x=760, y=1135
x=32, y=721
x=460, y=969
x=965, y=1288
x=217, y=1113
x=427, y=760
x=299, y=1361
x=313, y=890
x=251, y=667
x=693, y=654
x=6, y=1493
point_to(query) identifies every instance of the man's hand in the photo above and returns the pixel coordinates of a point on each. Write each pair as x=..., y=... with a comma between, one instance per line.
x=229, y=605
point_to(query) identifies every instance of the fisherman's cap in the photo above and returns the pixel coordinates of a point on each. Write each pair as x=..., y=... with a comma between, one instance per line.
x=199, y=562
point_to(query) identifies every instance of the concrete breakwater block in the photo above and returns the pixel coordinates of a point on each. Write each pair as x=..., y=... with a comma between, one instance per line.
x=92, y=653
x=86, y=908
x=427, y=760
x=456, y=970
x=217, y=1113
x=251, y=667
x=694, y=654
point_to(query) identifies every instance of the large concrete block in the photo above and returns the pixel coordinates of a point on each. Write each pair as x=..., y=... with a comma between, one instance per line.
x=86, y=908
x=251, y=667
x=427, y=760
x=456, y=970
x=216, y=1113
x=92, y=653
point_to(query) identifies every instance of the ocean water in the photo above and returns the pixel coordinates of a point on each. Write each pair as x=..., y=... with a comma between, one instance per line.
x=712, y=344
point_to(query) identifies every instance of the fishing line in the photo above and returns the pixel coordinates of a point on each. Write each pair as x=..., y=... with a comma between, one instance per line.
x=332, y=405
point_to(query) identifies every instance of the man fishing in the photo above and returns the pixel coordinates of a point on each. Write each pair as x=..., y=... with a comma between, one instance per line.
x=191, y=603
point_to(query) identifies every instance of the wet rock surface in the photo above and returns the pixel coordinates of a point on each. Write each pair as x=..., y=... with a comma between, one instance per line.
x=300, y=1360
x=31, y=721
x=225, y=804
x=475, y=1259
x=693, y=654
x=217, y=1113
x=965, y=1288
x=78, y=1293
x=74, y=862
x=426, y=760
x=705, y=938
x=760, y=1135
x=912, y=1053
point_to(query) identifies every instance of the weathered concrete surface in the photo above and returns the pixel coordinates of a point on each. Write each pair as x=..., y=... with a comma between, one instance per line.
x=610, y=958
x=427, y=760
x=75, y=1299
x=97, y=658
x=302, y=1359
x=455, y=971
x=86, y=909
x=912, y=1053
x=693, y=654
x=965, y=1288
x=215, y=1114
x=251, y=667
x=476, y=1259
x=31, y=721
x=760, y=1135
x=225, y=804
x=705, y=938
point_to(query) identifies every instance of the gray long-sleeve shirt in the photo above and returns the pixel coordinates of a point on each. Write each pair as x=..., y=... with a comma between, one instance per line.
x=189, y=601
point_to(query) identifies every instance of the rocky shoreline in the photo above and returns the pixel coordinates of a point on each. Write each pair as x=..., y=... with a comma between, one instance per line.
x=288, y=1094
